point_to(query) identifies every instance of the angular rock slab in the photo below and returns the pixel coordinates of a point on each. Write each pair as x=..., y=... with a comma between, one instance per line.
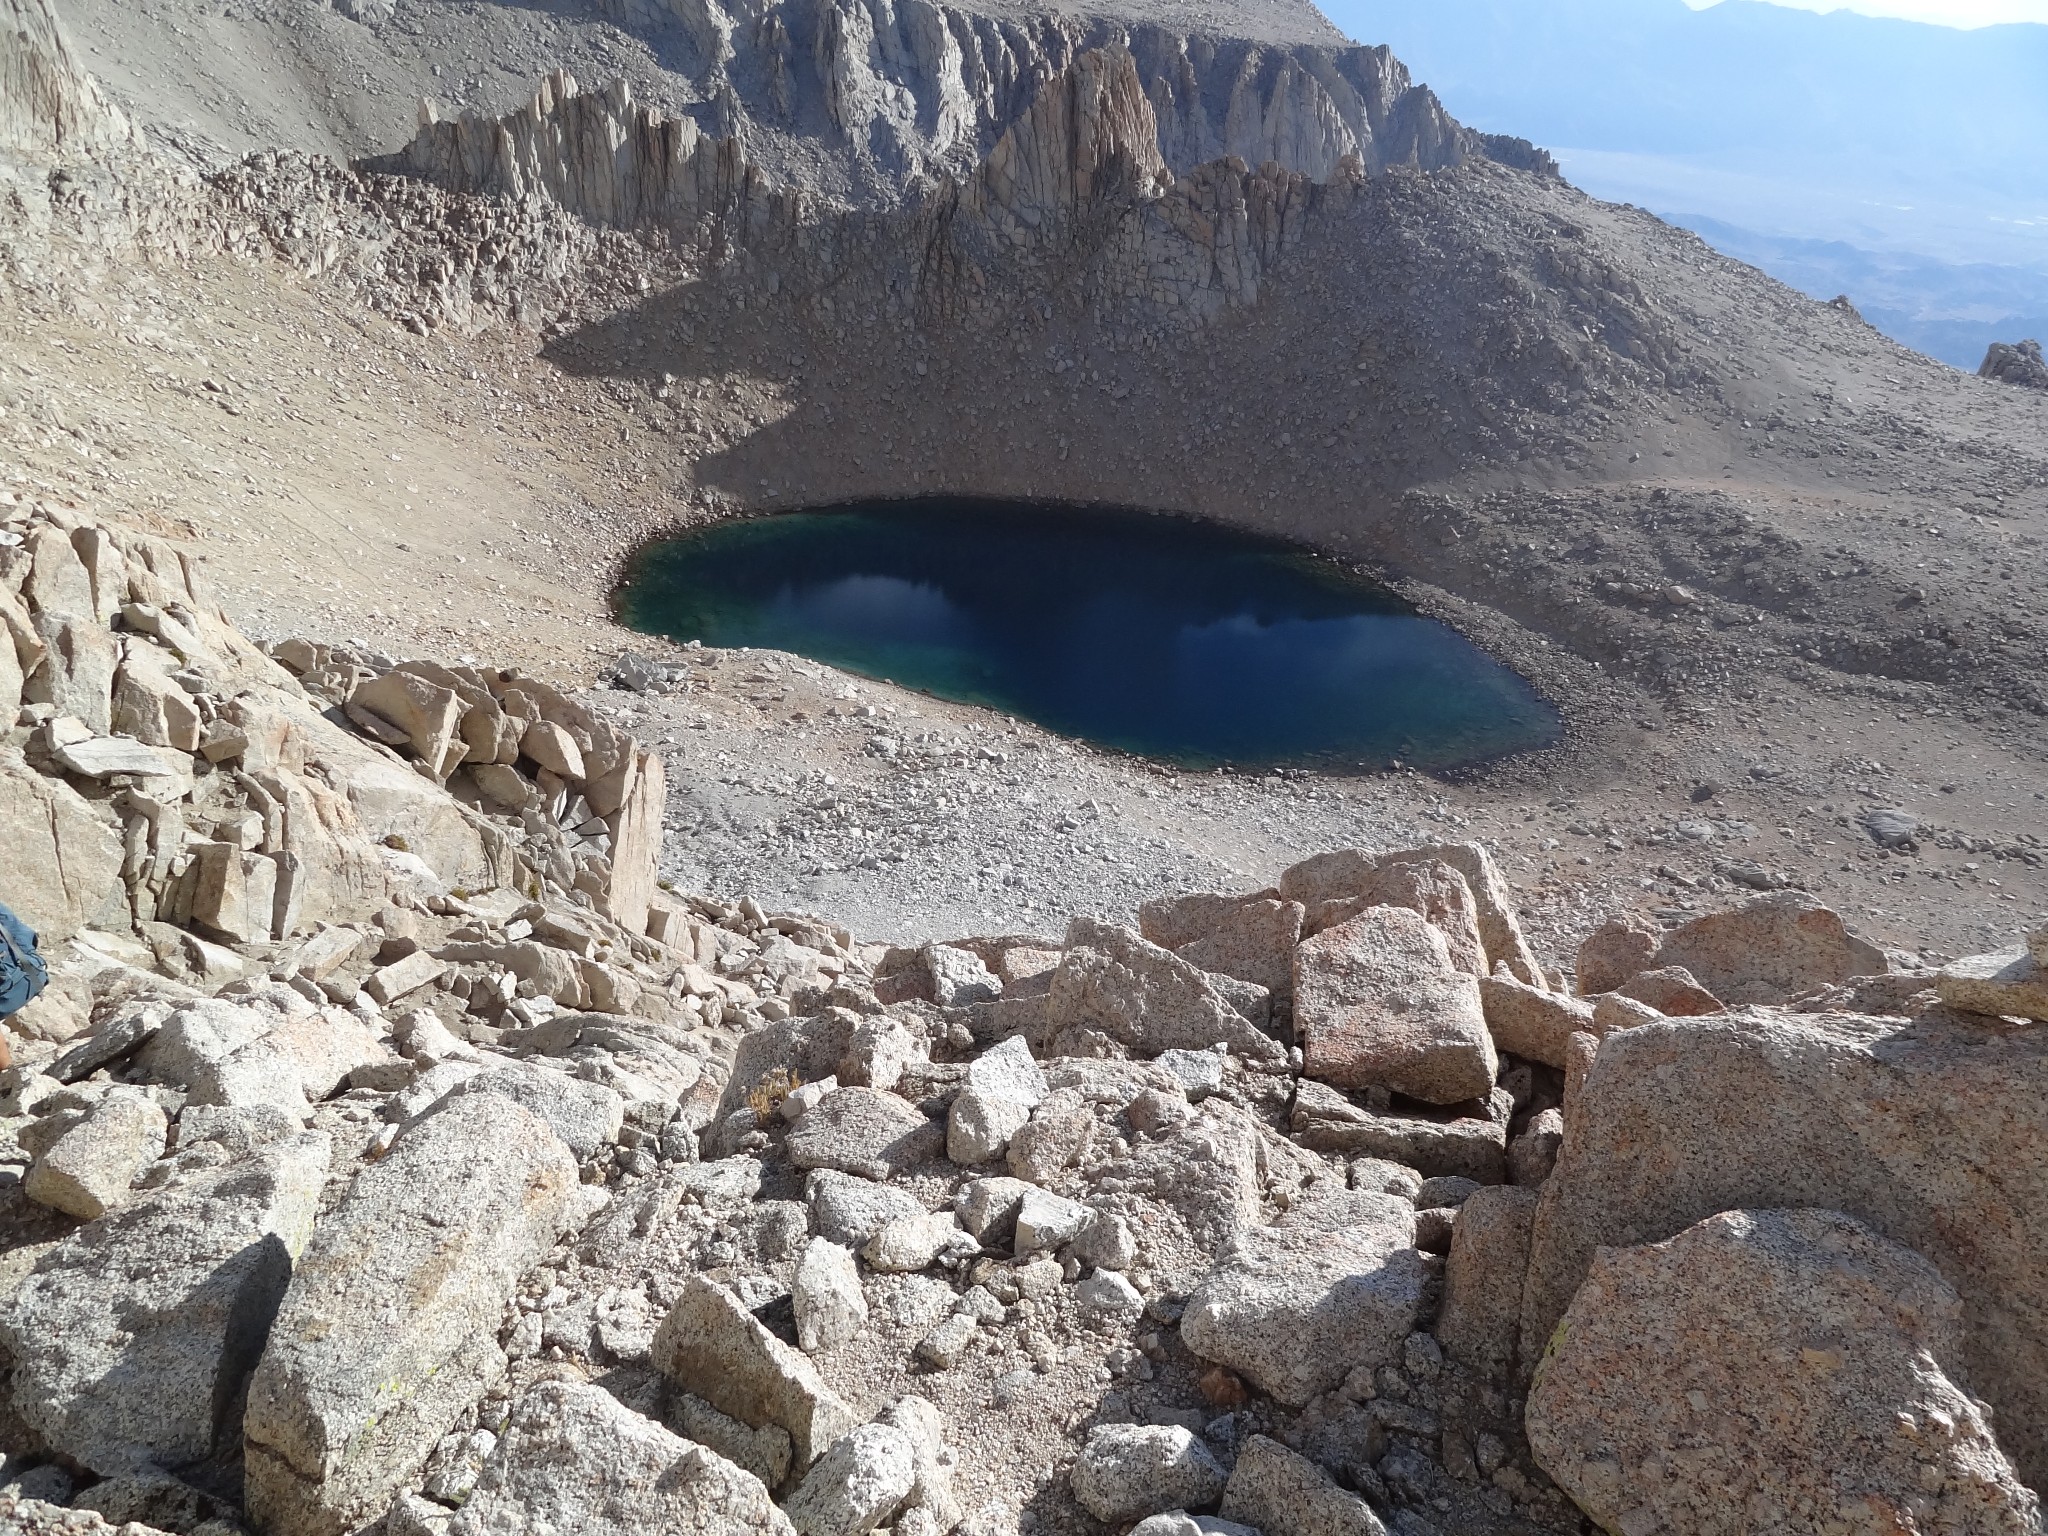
x=2010, y=982
x=132, y=1337
x=1899, y=1124
x=1145, y=999
x=295, y=1064
x=1470, y=1145
x=857, y=1484
x=389, y=1330
x=1377, y=1001
x=1482, y=1305
x=849, y=1209
x=1530, y=1022
x=574, y=1459
x=714, y=1348
x=1007, y=1070
x=826, y=1293
x=1279, y=1493
x=1615, y=951
x=866, y=1132
x=1789, y=1367
x=1335, y=1284
x=1770, y=950
x=979, y=1126
x=92, y=1166
x=1252, y=940
x=1499, y=928
x=62, y=860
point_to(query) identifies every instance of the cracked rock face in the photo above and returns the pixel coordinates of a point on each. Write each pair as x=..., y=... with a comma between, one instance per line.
x=928, y=89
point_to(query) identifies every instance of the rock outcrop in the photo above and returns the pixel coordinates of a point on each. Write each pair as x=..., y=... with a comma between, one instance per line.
x=2017, y=362
x=1109, y=146
x=49, y=105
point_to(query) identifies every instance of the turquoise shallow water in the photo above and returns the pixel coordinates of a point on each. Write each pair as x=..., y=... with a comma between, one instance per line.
x=1178, y=640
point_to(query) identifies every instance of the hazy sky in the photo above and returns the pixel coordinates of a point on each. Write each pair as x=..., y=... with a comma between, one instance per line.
x=1953, y=13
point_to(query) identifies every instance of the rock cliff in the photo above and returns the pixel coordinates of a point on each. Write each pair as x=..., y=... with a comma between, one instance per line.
x=1083, y=180
x=967, y=87
x=863, y=99
x=48, y=103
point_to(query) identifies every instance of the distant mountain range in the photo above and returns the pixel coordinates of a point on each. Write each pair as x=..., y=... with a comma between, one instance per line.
x=1903, y=164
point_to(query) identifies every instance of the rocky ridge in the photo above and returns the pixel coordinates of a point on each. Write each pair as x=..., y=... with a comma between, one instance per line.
x=476, y=1182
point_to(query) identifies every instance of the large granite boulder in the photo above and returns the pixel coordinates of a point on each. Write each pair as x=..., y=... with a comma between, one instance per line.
x=1249, y=937
x=1769, y=951
x=1933, y=1133
x=714, y=1348
x=1615, y=951
x=856, y=1485
x=1295, y=1307
x=1128, y=992
x=1782, y=1371
x=130, y=1336
x=1377, y=1000
x=574, y=1458
x=299, y=1061
x=2009, y=982
x=90, y=1168
x=1353, y=876
x=390, y=1328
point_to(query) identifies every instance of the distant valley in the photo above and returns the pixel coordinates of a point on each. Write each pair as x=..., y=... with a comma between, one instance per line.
x=1893, y=162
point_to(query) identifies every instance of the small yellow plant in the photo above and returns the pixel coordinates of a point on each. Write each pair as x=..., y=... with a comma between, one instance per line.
x=765, y=1097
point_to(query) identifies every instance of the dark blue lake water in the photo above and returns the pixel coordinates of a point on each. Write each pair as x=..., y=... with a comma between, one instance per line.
x=1175, y=639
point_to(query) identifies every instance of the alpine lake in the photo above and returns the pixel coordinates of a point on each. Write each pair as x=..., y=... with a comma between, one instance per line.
x=1176, y=640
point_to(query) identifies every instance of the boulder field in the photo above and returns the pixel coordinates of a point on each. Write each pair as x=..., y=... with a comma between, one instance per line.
x=393, y=1152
